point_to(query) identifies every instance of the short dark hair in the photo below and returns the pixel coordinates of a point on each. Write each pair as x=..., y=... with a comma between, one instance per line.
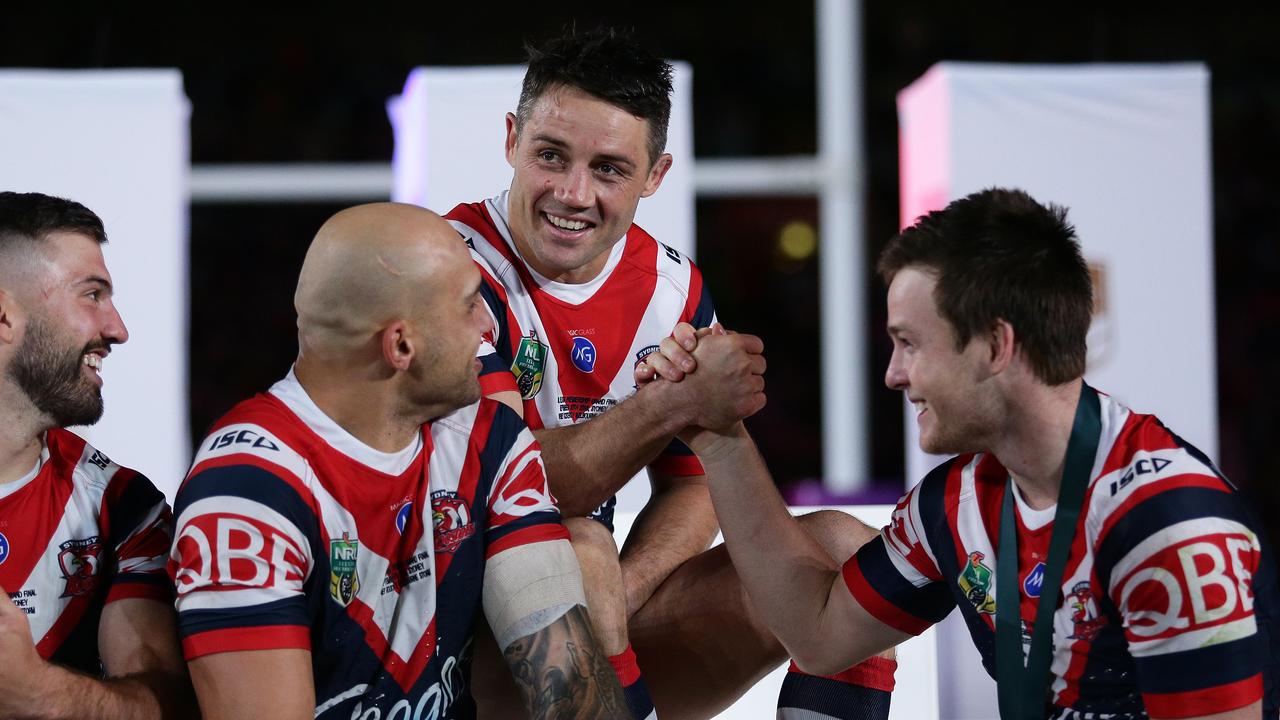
x=999, y=254
x=607, y=64
x=30, y=217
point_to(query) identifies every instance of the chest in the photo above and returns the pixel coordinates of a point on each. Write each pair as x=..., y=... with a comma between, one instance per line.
x=573, y=361
x=53, y=551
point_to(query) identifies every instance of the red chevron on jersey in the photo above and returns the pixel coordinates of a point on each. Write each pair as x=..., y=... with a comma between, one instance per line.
x=78, y=532
x=1166, y=597
x=569, y=350
x=293, y=533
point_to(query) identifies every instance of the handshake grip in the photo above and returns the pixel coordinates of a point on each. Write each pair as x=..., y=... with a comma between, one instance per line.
x=716, y=377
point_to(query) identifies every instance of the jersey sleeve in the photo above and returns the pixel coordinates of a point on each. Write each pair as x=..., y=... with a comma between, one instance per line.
x=895, y=576
x=1178, y=558
x=495, y=347
x=139, y=529
x=521, y=508
x=245, y=545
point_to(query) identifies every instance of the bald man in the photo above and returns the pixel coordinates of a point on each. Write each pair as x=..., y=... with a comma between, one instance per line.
x=337, y=536
x=86, y=624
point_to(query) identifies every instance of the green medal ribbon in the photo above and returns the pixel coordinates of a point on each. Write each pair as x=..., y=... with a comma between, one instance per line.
x=1023, y=689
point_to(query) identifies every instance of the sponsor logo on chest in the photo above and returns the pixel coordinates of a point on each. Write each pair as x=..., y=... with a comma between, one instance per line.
x=583, y=354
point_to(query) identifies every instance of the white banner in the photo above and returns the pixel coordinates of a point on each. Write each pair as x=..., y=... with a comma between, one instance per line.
x=117, y=142
x=1126, y=148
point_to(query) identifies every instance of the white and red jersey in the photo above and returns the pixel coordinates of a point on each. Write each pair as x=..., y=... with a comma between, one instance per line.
x=291, y=533
x=1168, y=602
x=76, y=533
x=570, y=349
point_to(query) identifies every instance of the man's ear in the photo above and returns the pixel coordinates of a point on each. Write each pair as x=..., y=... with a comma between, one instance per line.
x=397, y=347
x=1001, y=339
x=513, y=137
x=656, y=173
x=11, y=317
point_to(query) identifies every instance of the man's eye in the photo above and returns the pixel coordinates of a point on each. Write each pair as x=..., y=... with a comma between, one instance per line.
x=607, y=169
x=548, y=156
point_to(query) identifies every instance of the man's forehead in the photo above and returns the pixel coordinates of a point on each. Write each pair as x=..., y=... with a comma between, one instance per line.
x=565, y=112
x=911, y=300
x=74, y=253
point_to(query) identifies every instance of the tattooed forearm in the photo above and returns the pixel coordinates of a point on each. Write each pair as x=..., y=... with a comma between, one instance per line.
x=563, y=674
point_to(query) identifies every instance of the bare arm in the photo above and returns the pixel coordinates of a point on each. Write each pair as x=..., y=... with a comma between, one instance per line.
x=534, y=602
x=590, y=461
x=147, y=676
x=676, y=524
x=791, y=580
x=562, y=673
x=273, y=684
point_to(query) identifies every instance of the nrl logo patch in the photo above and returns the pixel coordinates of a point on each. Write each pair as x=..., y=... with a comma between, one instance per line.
x=975, y=583
x=528, y=365
x=79, y=562
x=344, y=580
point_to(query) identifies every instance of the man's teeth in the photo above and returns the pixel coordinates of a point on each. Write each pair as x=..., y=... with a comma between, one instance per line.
x=566, y=224
x=919, y=406
x=94, y=362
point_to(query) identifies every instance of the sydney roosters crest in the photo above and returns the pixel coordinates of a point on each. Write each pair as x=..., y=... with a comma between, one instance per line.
x=451, y=520
x=79, y=562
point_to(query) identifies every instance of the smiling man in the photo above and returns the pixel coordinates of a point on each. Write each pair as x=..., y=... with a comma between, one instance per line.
x=1103, y=565
x=86, y=624
x=579, y=295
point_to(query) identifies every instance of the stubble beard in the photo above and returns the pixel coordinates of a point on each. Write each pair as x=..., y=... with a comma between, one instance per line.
x=51, y=377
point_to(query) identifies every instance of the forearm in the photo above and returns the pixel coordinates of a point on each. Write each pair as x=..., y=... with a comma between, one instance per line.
x=561, y=671
x=56, y=693
x=787, y=574
x=677, y=524
x=588, y=462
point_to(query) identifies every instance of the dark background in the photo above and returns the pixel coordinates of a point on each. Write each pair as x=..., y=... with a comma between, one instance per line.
x=311, y=86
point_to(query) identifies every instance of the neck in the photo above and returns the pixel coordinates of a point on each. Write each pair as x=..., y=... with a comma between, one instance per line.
x=1033, y=444
x=364, y=407
x=24, y=428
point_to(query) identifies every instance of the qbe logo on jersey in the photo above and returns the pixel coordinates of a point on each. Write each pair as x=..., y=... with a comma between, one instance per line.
x=4, y=548
x=1193, y=585
x=583, y=355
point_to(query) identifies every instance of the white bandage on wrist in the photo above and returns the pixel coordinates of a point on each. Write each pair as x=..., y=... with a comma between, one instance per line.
x=529, y=587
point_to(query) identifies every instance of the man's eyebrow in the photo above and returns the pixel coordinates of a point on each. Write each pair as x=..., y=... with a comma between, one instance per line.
x=96, y=280
x=605, y=157
x=550, y=140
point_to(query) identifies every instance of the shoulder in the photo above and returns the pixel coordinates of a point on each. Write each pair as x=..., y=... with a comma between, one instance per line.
x=93, y=473
x=485, y=425
x=648, y=254
x=258, y=452
x=1152, y=471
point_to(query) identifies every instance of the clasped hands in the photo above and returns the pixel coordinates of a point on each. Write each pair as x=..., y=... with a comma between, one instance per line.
x=716, y=380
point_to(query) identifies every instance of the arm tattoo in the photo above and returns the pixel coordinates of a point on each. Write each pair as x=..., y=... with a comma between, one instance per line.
x=563, y=674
